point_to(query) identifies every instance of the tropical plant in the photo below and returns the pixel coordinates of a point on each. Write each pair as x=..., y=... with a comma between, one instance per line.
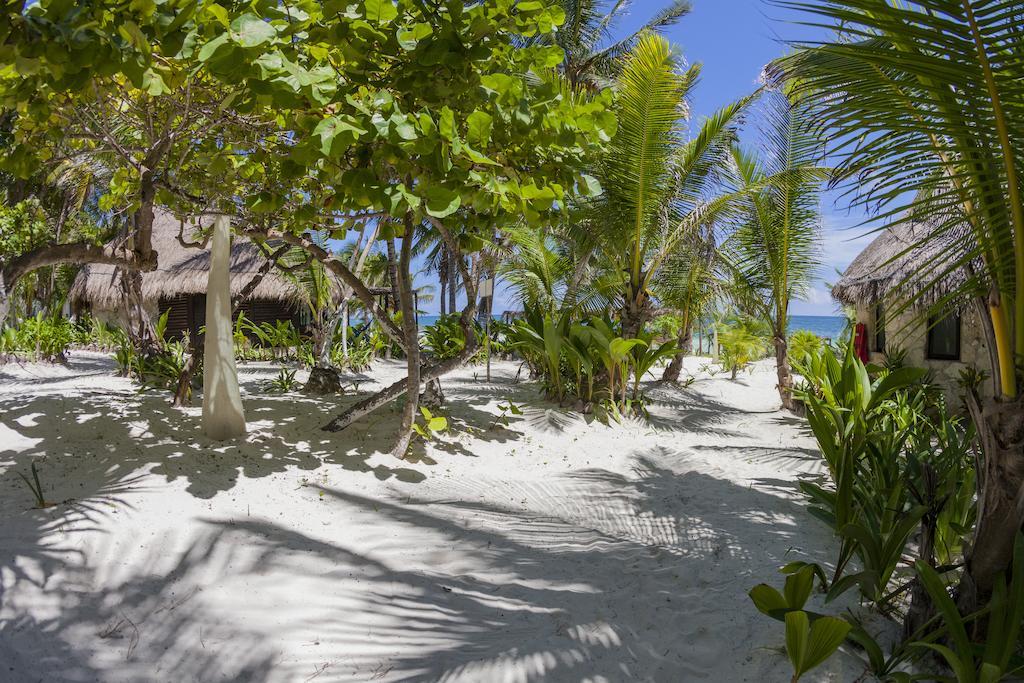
x=739, y=346
x=775, y=246
x=803, y=344
x=431, y=426
x=647, y=355
x=1003, y=615
x=655, y=184
x=691, y=285
x=35, y=486
x=445, y=338
x=39, y=338
x=921, y=103
x=593, y=48
x=810, y=638
x=283, y=383
x=505, y=410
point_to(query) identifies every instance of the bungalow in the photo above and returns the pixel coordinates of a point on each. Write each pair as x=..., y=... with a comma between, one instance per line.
x=178, y=285
x=897, y=268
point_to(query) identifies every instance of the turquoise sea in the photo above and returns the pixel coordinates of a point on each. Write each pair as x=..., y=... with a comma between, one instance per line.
x=828, y=326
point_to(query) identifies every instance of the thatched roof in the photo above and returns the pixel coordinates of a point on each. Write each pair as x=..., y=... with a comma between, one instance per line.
x=900, y=264
x=181, y=270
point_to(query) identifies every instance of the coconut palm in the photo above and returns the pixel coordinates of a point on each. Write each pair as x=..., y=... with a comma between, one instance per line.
x=924, y=105
x=545, y=269
x=592, y=51
x=690, y=287
x=775, y=247
x=656, y=184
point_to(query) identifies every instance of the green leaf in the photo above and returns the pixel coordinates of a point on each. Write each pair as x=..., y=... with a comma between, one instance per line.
x=210, y=49
x=798, y=587
x=337, y=133
x=218, y=13
x=827, y=634
x=380, y=11
x=437, y=424
x=442, y=202
x=409, y=38
x=249, y=30
x=479, y=128
x=797, y=632
x=589, y=186
x=767, y=599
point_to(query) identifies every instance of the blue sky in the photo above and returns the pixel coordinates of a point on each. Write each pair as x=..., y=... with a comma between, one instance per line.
x=734, y=39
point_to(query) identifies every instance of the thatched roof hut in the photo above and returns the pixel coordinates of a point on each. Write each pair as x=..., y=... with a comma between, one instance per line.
x=181, y=271
x=902, y=265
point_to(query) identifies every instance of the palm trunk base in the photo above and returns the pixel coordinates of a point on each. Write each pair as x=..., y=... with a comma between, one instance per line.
x=1000, y=426
x=675, y=368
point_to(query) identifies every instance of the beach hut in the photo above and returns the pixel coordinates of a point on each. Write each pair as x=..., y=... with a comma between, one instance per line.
x=178, y=285
x=896, y=285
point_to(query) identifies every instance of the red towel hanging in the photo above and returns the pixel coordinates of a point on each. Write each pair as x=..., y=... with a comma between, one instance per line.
x=860, y=342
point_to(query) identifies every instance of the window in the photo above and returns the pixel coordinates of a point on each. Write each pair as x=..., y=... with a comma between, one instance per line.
x=879, y=328
x=944, y=338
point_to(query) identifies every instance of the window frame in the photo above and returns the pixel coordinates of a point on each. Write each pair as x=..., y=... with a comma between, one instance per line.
x=878, y=332
x=933, y=322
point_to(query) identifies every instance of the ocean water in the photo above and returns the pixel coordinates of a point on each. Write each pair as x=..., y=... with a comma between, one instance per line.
x=828, y=326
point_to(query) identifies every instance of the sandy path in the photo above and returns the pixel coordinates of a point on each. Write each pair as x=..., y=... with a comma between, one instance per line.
x=551, y=550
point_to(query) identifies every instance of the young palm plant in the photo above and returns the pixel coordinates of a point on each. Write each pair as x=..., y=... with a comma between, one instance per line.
x=923, y=104
x=655, y=183
x=776, y=244
x=691, y=287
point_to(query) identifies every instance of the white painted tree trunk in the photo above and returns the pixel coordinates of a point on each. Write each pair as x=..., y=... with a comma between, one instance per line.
x=223, y=416
x=344, y=329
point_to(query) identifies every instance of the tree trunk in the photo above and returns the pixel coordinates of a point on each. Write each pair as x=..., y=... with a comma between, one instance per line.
x=785, y=374
x=427, y=373
x=344, y=329
x=5, y=299
x=921, y=607
x=1000, y=426
x=183, y=393
x=442, y=276
x=452, y=282
x=675, y=368
x=412, y=350
x=223, y=415
x=393, y=274
x=634, y=316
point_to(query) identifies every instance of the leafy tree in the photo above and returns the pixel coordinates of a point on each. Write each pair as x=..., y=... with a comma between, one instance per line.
x=320, y=117
x=924, y=107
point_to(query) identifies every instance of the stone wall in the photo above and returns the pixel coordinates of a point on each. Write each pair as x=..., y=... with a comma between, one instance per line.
x=908, y=331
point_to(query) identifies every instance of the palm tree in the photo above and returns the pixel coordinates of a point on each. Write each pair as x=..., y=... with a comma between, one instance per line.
x=924, y=107
x=775, y=248
x=592, y=54
x=545, y=269
x=691, y=287
x=656, y=186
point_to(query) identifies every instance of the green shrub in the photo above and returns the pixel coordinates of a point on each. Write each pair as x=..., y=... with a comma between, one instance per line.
x=739, y=345
x=803, y=343
x=39, y=338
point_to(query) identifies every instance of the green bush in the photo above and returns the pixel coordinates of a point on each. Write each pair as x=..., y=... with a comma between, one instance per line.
x=587, y=362
x=802, y=344
x=39, y=338
x=740, y=344
x=900, y=481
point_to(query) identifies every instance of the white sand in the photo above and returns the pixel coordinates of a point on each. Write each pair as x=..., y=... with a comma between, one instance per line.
x=553, y=550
